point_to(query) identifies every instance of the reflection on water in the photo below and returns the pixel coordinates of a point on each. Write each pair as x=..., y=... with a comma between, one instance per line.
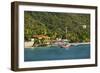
x=57, y=53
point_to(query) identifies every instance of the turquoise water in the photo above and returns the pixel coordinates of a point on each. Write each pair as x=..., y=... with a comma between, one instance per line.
x=57, y=53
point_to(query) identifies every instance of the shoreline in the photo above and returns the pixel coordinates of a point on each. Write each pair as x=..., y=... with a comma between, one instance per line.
x=74, y=44
x=79, y=43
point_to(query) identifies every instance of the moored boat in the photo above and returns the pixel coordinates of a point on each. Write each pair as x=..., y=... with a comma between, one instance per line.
x=65, y=46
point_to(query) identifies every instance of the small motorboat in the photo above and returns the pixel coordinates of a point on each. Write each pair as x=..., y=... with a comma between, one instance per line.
x=65, y=46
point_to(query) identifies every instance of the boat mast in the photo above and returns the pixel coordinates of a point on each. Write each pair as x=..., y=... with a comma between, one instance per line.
x=66, y=32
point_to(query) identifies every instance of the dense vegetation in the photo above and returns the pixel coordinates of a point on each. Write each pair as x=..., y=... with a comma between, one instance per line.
x=74, y=27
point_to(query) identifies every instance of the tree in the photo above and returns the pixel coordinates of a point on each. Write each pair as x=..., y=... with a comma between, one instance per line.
x=54, y=25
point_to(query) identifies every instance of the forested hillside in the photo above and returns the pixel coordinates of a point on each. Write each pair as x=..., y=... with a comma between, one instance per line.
x=74, y=27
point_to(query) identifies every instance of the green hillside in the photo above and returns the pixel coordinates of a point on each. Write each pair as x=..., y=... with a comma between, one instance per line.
x=74, y=27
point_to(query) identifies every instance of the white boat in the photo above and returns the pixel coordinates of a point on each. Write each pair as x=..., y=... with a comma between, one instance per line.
x=65, y=46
